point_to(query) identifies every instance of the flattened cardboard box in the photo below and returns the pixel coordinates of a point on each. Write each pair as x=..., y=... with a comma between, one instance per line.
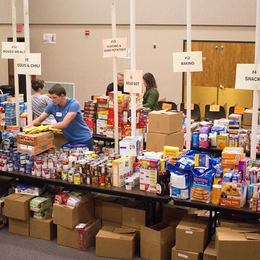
x=42, y=229
x=157, y=241
x=181, y=254
x=116, y=242
x=17, y=206
x=19, y=227
x=191, y=234
x=165, y=122
x=238, y=243
x=69, y=217
x=156, y=141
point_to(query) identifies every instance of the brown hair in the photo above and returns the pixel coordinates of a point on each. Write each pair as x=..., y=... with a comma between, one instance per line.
x=37, y=84
x=58, y=90
x=149, y=80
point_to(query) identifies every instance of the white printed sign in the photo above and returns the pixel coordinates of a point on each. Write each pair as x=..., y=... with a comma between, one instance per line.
x=29, y=64
x=11, y=49
x=187, y=61
x=248, y=76
x=116, y=47
x=133, y=81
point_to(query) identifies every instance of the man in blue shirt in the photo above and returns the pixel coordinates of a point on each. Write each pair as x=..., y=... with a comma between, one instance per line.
x=67, y=113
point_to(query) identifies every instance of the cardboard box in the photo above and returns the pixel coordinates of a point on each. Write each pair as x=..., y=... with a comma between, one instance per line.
x=210, y=252
x=191, y=234
x=19, y=227
x=42, y=229
x=181, y=254
x=134, y=218
x=157, y=241
x=39, y=139
x=17, y=206
x=247, y=117
x=237, y=243
x=59, y=141
x=157, y=141
x=81, y=237
x=165, y=122
x=116, y=242
x=34, y=150
x=70, y=217
x=173, y=214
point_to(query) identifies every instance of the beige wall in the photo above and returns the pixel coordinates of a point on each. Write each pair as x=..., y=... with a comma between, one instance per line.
x=78, y=58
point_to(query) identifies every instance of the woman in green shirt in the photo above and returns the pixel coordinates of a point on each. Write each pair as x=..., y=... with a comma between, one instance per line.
x=151, y=95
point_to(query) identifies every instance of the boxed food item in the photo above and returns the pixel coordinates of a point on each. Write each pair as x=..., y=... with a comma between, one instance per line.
x=34, y=150
x=39, y=139
x=19, y=227
x=237, y=243
x=233, y=194
x=121, y=169
x=134, y=218
x=81, y=237
x=28, y=189
x=42, y=229
x=116, y=242
x=17, y=206
x=131, y=146
x=71, y=216
x=178, y=254
x=157, y=141
x=101, y=126
x=191, y=234
x=165, y=122
x=157, y=241
x=40, y=204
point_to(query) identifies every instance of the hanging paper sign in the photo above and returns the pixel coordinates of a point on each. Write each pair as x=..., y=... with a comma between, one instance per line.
x=116, y=47
x=214, y=108
x=187, y=61
x=133, y=81
x=29, y=64
x=248, y=76
x=10, y=50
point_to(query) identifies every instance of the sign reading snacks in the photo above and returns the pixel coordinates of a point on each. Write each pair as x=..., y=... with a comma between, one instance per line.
x=214, y=108
x=116, y=47
x=133, y=81
x=10, y=50
x=187, y=61
x=29, y=64
x=248, y=76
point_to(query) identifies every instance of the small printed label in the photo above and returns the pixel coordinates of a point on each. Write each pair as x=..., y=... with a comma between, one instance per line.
x=190, y=232
x=58, y=114
x=187, y=61
x=182, y=256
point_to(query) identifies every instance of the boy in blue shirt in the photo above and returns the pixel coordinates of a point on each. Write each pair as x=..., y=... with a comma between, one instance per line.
x=67, y=113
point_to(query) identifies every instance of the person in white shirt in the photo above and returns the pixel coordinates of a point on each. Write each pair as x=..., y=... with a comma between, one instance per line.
x=40, y=101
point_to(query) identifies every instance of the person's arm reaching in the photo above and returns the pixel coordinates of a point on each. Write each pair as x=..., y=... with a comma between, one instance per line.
x=66, y=121
x=39, y=119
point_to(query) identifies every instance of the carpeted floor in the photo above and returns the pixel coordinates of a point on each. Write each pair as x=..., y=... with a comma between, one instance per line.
x=14, y=247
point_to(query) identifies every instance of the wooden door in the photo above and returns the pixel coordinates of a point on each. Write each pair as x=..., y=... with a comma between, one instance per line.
x=230, y=55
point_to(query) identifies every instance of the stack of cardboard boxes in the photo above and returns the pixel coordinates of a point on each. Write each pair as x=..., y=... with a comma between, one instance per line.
x=76, y=224
x=17, y=209
x=191, y=238
x=164, y=128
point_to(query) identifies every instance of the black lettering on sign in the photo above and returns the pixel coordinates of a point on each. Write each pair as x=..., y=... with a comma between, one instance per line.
x=187, y=63
x=187, y=58
x=252, y=78
x=132, y=83
x=254, y=72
